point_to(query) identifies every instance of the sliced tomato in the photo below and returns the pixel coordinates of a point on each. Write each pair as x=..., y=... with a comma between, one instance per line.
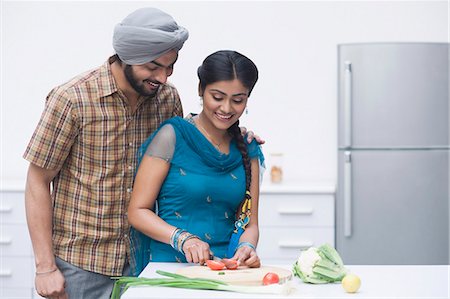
x=230, y=264
x=271, y=278
x=215, y=265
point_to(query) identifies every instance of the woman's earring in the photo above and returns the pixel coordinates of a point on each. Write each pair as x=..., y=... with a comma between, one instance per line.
x=246, y=110
x=201, y=101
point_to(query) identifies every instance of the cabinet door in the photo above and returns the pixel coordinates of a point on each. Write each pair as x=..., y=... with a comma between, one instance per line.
x=22, y=293
x=15, y=240
x=16, y=272
x=12, y=207
x=285, y=243
x=292, y=210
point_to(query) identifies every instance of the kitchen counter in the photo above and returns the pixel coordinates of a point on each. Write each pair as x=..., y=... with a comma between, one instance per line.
x=376, y=282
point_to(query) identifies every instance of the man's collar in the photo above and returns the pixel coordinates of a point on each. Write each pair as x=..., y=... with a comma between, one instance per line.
x=106, y=82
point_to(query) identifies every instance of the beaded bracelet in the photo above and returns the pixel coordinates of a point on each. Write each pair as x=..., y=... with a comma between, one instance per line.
x=248, y=244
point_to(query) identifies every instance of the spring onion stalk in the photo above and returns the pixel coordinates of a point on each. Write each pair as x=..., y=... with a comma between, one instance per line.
x=179, y=281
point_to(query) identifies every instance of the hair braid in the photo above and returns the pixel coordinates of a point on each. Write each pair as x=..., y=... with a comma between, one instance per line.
x=235, y=133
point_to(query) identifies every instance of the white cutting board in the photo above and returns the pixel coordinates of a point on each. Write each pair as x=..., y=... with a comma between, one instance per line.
x=240, y=276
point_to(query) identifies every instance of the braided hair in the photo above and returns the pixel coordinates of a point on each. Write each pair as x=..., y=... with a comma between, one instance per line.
x=228, y=65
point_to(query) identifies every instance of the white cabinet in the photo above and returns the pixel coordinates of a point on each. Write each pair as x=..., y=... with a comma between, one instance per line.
x=293, y=217
x=16, y=255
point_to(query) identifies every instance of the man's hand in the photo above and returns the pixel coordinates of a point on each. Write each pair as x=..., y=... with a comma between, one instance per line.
x=51, y=285
x=251, y=136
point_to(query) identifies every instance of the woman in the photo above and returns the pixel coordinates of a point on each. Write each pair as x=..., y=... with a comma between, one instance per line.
x=196, y=174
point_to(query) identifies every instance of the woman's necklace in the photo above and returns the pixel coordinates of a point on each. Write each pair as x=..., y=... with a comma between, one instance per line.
x=216, y=145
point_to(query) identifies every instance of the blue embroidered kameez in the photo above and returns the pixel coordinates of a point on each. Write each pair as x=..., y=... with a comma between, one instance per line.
x=200, y=194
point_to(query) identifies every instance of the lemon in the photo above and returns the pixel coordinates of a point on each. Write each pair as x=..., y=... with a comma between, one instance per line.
x=351, y=283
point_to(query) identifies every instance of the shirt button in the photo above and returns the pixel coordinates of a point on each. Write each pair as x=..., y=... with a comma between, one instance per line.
x=130, y=167
x=130, y=144
x=129, y=190
x=125, y=236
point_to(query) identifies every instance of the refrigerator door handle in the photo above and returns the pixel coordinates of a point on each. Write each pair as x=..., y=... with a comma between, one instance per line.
x=348, y=194
x=348, y=104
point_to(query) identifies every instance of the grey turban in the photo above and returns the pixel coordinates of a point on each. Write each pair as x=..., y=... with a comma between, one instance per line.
x=146, y=34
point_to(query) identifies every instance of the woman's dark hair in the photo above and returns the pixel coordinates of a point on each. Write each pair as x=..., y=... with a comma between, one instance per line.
x=228, y=65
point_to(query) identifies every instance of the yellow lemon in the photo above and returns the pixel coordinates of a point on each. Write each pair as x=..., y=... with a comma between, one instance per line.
x=351, y=283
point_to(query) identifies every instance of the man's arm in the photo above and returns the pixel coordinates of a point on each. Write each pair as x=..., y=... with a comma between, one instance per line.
x=39, y=212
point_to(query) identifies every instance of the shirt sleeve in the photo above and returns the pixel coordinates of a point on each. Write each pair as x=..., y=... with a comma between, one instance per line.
x=163, y=143
x=178, y=108
x=55, y=133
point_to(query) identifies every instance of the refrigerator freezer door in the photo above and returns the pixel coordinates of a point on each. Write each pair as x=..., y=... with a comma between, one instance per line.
x=399, y=207
x=398, y=92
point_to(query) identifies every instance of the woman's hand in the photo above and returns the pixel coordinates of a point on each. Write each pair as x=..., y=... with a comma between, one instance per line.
x=196, y=251
x=248, y=257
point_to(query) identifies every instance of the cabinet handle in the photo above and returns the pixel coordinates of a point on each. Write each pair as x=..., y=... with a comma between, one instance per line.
x=5, y=241
x=301, y=211
x=5, y=209
x=5, y=272
x=295, y=244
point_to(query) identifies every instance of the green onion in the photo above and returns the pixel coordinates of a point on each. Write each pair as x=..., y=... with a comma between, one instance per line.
x=179, y=281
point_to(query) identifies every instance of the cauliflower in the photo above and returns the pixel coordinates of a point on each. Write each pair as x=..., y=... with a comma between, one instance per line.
x=319, y=265
x=308, y=260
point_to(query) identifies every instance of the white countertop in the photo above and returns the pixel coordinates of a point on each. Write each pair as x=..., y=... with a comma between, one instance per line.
x=376, y=282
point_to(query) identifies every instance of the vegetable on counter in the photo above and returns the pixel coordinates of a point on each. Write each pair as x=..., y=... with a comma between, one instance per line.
x=179, y=281
x=215, y=265
x=271, y=278
x=351, y=283
x=319, y=265
x=230, y=264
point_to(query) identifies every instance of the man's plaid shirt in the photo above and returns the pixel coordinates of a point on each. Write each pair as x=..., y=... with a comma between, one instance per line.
x=89, y=132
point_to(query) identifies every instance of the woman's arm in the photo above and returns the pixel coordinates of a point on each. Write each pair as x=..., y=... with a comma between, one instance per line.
x=148, y=181
x=245, y=254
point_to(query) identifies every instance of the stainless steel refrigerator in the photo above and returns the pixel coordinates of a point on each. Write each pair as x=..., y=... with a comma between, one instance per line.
x=392, y=202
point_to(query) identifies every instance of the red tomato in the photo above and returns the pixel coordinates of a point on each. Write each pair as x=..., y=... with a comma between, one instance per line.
x=230, y=264
x=271, y=278
x=215, y=265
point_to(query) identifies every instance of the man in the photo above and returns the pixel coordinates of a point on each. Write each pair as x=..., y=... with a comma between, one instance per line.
x=83, y=155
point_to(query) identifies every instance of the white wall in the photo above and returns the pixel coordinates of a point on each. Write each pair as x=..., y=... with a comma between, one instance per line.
x=293, y=43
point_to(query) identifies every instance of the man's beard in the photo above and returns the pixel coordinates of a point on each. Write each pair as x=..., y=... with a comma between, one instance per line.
x=139, y=88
